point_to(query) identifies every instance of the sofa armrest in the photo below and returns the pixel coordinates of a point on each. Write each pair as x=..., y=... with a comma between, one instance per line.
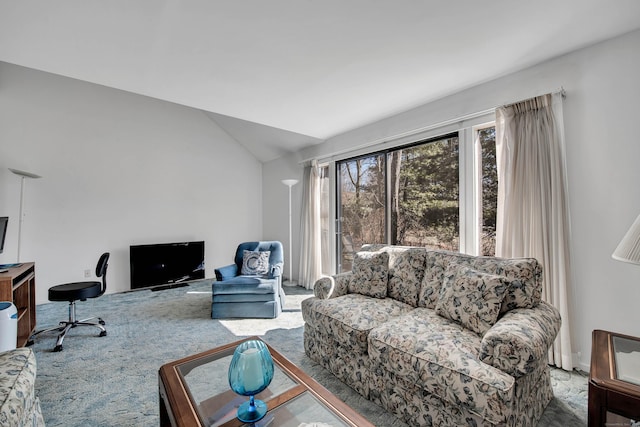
x=521, y=339
x=227, y=272
x=332, y=286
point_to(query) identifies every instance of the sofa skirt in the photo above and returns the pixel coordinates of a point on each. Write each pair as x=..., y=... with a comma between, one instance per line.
x=418, y=407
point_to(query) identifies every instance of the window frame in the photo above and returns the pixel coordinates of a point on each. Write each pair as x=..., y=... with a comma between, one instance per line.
x=477, y=185
x=469, y=175
x=384, y=153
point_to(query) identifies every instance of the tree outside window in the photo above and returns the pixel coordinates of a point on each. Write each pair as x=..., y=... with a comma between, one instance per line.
x=407, y=196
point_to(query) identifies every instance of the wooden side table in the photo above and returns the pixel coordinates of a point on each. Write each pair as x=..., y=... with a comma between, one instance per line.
x=614, y=380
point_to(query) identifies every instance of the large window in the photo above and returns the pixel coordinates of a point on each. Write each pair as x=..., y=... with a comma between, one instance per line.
x=425, y=195
x=406, y=196
x=439, y=193
x=362, y=207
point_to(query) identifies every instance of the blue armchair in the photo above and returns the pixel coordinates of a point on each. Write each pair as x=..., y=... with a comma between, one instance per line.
x=237, y=295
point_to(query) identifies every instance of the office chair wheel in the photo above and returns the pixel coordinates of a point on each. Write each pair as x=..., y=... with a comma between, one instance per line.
x=57, y=348
x=101, y=322
x=103, y=333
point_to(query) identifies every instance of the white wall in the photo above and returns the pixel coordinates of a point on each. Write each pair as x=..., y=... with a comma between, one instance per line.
x=601, y=114
x=276, y=209
x=118, y=169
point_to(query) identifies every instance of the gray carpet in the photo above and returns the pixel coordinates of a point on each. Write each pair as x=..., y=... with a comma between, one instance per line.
x=112, y=381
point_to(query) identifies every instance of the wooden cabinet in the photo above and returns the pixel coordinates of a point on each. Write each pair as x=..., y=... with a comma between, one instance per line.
x=18, y=285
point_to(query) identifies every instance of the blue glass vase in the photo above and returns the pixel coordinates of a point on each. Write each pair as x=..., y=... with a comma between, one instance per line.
x=250, y=372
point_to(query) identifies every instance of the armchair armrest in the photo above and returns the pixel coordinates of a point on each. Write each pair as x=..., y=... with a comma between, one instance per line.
x=226, y=272
x=519, y=342
x=332, y=286
x=276, y=270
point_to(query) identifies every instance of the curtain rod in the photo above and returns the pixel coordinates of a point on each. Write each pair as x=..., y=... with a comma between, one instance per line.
x=561, y=91
x=422, y=129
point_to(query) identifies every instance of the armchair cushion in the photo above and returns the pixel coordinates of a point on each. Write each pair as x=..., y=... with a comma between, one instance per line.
x=255, y=262
x=240, y=285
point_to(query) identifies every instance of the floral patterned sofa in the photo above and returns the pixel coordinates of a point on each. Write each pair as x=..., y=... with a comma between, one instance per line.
x=438, y=338
x=19, y=405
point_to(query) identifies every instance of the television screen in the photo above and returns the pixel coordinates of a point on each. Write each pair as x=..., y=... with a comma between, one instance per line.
x=4, y=220
x=166, y=263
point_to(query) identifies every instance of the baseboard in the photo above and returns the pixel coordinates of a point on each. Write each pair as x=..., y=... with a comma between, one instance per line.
x=165, y=287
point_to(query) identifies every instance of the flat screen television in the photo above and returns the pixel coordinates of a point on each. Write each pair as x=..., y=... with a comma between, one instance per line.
x=4, y=220
x=166, y=263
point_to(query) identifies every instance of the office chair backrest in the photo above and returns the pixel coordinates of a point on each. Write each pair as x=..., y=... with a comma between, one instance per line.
x=101, y=270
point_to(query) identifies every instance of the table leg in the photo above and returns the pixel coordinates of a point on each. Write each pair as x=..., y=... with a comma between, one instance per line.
x=597, y=406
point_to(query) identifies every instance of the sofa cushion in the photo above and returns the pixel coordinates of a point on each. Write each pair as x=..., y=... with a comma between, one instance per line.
x=524, y=274
x=441, y=357
x=406, y=271
x=370, y=274
x=373, y=247
x=255, y=262
x=436, y=263
x=349, y=318
x=471, y=298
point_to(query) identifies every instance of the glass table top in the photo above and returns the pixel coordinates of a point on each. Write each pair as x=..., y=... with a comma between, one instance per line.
x=304, y=410
x=207, y=385
x=627, y=359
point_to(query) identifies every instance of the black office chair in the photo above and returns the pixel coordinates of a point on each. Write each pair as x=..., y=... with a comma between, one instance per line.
x=79, y=291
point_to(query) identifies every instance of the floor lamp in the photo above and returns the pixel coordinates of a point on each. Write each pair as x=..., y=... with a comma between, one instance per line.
x=290, y=183
x=23, y=175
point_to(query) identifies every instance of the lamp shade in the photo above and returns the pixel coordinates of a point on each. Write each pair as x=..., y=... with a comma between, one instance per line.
x=628, y=249
x=25, y=174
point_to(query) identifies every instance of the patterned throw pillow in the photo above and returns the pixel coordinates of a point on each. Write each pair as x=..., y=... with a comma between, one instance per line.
x=471, y=298
x=406, y=270
x=369, y=274
x=255, y=263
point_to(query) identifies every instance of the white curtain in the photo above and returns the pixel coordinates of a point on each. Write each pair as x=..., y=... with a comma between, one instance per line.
x=533, y=211
x=310, y=228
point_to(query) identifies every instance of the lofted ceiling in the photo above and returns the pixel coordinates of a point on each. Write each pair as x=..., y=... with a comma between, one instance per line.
x=279, y=75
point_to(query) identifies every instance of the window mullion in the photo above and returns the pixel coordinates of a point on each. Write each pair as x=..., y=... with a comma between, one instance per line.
x=466, y=195
x=388, y=200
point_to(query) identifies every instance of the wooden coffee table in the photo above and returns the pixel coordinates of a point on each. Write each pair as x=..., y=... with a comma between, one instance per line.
x=194, y=391
x=614, y=380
